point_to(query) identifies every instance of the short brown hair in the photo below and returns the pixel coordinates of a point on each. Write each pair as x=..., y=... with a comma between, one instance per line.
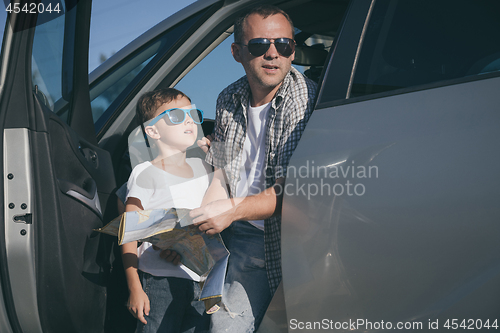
x=149, y=102
x=264, y=11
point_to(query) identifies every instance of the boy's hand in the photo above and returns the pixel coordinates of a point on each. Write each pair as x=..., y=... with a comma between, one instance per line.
x=204, y=143
x=138, y=305
x=169, y=255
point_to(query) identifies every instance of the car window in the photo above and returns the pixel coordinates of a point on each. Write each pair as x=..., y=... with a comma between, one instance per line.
x=111, y=28
x=416, y=42
x=102, y=98
x=209, y=77
x=47, y=62
x=311, y=52
x=105, y=92
x=3, y=21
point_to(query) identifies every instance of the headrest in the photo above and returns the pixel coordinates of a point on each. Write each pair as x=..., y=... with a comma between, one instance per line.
x=310, y=55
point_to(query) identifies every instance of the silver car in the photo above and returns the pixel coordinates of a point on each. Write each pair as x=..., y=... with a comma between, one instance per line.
x=391, y=212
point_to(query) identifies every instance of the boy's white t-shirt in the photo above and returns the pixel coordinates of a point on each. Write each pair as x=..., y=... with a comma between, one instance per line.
x=252, y=174
x=159, y=189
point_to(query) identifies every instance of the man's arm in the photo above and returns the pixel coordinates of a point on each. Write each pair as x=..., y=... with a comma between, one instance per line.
x=218, y=215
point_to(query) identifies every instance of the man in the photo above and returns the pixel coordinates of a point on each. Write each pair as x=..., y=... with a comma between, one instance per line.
x=259, y=121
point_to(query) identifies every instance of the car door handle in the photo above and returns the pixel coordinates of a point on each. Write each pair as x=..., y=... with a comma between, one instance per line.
x=86, y=196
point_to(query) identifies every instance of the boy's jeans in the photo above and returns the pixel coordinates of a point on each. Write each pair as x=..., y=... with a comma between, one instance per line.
x=246, y=290
x=174, y=305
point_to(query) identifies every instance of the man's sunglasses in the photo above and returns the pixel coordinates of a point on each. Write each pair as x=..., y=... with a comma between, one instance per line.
x=177, y=116
x=259, y=46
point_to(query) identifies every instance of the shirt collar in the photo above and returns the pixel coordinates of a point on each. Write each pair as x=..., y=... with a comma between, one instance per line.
x=283, y=90
x=243, y=91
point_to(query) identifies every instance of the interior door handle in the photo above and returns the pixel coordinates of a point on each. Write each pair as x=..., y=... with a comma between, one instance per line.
x=86, y=196
x=90, y=155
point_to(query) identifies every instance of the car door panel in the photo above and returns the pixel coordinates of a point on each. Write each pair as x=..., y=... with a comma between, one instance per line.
x=4, y=319
x=56, y=190
x=69, y=263
x=413, y=237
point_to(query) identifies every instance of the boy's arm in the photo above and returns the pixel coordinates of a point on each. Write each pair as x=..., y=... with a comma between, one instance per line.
x=217, y=189
x=138, y=302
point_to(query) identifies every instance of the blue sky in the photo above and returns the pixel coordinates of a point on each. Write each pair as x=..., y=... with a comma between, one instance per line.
x=116, y=23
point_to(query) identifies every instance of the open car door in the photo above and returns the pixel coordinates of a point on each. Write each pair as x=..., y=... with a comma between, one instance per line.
x=56, y=180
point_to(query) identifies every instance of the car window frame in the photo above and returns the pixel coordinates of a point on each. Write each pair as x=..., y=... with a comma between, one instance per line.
x=341, y=51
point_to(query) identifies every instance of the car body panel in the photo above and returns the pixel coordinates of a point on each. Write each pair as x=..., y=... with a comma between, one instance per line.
x=414, y=235
x=19, y=236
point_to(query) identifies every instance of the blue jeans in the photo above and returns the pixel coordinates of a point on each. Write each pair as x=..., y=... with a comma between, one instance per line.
x=246, y=290
x=174, y=305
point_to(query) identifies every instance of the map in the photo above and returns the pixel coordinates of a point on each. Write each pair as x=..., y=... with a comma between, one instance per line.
x=171, y=228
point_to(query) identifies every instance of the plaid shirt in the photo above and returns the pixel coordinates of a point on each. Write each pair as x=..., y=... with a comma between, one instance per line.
x=290, y=110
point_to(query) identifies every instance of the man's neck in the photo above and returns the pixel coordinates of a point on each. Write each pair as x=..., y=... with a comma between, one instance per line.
x=263, y=96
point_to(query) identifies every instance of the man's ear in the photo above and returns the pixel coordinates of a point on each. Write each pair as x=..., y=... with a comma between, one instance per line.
x=235, y=50
x=152, y=132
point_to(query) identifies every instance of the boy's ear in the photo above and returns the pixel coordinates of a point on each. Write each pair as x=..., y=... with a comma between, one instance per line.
x=152, y=132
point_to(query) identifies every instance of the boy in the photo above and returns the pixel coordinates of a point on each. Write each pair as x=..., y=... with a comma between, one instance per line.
x=163, y=294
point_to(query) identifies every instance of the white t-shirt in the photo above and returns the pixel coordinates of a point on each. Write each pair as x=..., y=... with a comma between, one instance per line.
x=252, y=174
x=158, y=189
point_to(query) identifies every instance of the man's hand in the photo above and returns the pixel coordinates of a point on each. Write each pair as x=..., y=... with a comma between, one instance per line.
x=204, y=143
x=214, y=217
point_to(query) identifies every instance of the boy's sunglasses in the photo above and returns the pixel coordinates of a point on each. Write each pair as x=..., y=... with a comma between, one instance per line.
x=177, y=116
x=259, y=46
